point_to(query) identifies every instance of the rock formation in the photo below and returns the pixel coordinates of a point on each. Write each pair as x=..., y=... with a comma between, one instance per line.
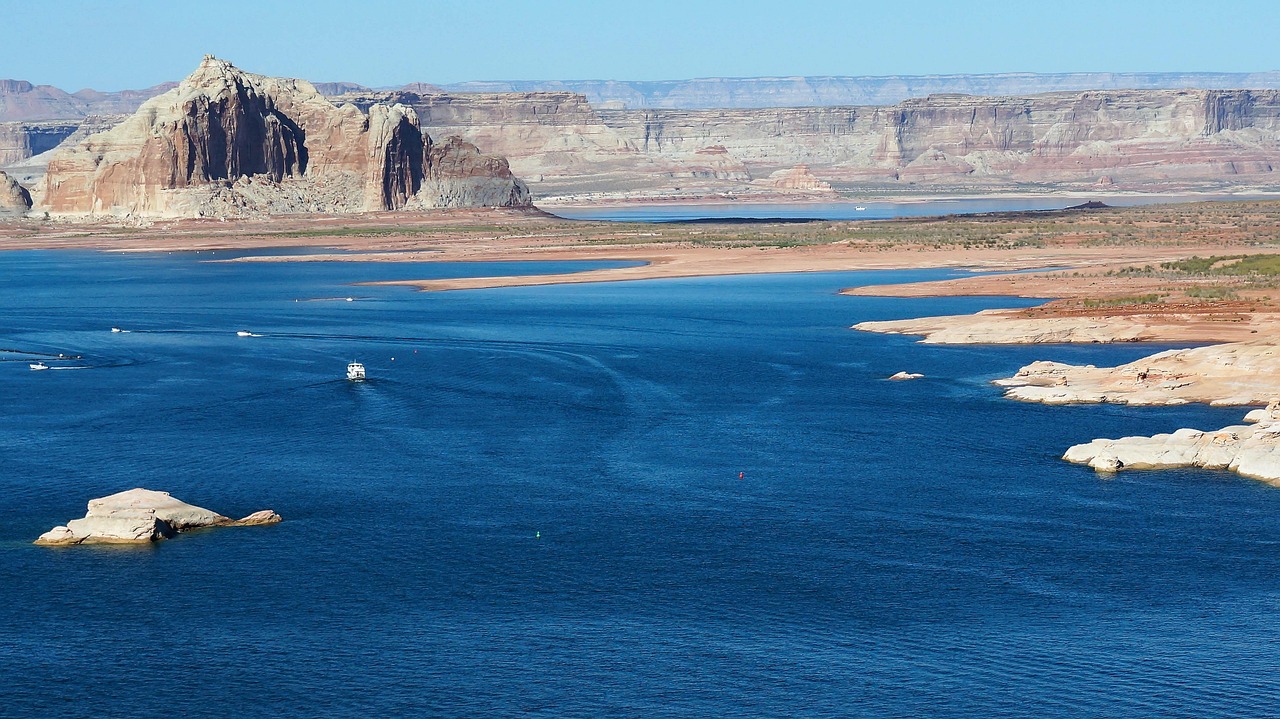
x=999, y=327
x=1154, y=139
x=225, y=142
x=459, y=175
x=1236, y=373
x=14, y=198
x=140, y=516
x=1252, y=451
x=1133, y=138
x=21, y=140
x=799, y=177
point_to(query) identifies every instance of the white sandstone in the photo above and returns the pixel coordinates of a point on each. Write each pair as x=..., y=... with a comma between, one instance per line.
x=140, y=516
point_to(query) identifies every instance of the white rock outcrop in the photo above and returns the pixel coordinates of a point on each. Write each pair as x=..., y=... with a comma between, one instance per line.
x=1237, y=373
x=139, y=516
x=1251, y=451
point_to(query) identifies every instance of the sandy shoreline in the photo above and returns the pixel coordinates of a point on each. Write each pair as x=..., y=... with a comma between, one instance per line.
x=1097, y=246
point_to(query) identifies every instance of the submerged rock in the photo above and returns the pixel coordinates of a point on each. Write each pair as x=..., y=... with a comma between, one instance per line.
x=140, y=516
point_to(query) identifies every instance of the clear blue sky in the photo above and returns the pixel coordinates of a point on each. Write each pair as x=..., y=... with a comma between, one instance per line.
x=136, y=43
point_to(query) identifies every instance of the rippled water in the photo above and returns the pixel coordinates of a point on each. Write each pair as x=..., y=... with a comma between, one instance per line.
x=535, y=508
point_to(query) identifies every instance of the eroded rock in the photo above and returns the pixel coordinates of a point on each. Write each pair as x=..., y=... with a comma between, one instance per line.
x=1251, y=451
x=225, y=142
x=1236, y=373
x=140, y=516
x=14, y=198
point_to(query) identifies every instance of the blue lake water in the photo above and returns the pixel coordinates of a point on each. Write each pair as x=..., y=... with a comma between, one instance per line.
x=533, y=508
x=871, y=209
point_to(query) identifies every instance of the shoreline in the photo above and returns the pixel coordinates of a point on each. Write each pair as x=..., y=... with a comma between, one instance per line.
x=555, y=202
x=1015, y=253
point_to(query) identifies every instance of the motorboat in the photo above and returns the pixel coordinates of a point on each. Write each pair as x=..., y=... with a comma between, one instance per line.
x=355, y=372
x=859, y=208
x=244, y=333
x=39, y=365
x=116, y=329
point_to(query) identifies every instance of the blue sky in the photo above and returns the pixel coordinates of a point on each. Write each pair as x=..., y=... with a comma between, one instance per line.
x=136, y=43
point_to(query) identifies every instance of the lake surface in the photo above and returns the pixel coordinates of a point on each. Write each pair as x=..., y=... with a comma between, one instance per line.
x=872, y=210
x=533, y=508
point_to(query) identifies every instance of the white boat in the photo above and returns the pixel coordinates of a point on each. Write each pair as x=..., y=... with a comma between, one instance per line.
x=39, y=365
x=355, y=372
x=244, y=333
x=859, y=208
x=116, y=329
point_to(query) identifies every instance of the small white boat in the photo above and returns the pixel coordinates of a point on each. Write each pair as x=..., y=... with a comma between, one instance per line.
x=244, y=333
x=116, y=329
x=859, y=208
x=355, y=372
x=39, y=365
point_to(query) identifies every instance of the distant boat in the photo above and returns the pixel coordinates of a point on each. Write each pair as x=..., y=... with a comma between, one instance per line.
x=116, y=329
x=355, y=372
x=39, y=365
x=244, y=333
x=859, y=208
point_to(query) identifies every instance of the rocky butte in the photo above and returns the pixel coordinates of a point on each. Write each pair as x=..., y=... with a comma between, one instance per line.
x=227, y=143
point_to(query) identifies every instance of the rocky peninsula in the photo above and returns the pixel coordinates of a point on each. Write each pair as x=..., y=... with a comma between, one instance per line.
x=1238, y=373
x=1251, y=451
x=142, y=516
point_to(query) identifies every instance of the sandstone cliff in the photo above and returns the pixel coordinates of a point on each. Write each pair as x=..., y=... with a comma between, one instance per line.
x=22, y=140
x=226, y=142
x=1132, y=139
x=14, y=198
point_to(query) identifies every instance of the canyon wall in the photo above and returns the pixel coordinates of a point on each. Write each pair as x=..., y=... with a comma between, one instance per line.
x=1138, y=139
x=226, y=143
x=22, y=140
x=1126, y=136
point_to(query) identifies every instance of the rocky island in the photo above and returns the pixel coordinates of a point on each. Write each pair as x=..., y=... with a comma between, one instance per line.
x=142, y=516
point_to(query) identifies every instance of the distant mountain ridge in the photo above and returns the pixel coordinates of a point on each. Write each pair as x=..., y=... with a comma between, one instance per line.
x=833, y=91
x=22, y=101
